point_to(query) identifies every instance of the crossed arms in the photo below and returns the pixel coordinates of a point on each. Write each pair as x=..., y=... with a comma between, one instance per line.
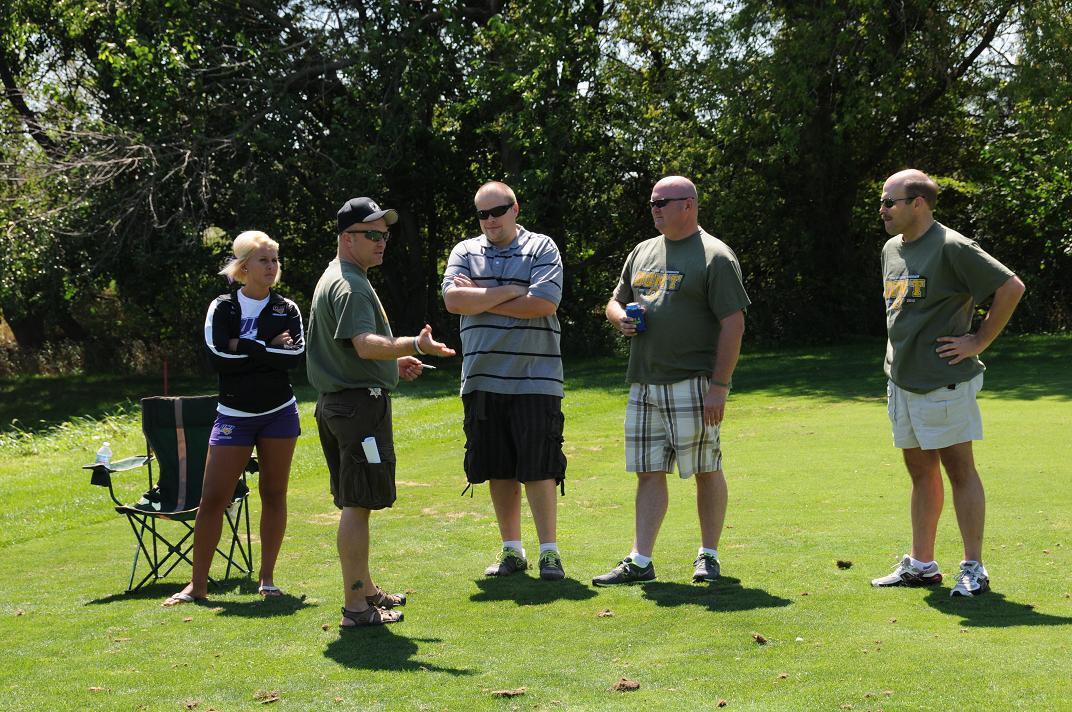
x=508, y=300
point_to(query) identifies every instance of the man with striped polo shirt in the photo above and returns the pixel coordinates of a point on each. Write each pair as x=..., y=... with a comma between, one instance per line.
x=689, y=285
x=506, y=284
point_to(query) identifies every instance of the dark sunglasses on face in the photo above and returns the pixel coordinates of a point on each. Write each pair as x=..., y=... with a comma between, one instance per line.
x=374, y=235
x=497, y=212
x=890, y=202
x=663, y=202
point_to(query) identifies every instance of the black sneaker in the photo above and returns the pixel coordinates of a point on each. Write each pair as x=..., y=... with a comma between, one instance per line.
x=551, y=566
x=626, y=572
x=510, y=561
x=707, y=568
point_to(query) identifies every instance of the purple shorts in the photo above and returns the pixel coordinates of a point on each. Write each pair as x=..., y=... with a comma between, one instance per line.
x=238, y=430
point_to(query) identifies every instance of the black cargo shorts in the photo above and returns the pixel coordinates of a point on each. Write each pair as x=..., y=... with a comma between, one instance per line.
x=344, y=419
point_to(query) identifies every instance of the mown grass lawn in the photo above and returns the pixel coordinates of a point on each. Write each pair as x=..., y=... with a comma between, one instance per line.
x=813, y=479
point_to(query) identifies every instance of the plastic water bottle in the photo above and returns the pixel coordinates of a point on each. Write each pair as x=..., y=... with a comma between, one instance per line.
x=104, y=455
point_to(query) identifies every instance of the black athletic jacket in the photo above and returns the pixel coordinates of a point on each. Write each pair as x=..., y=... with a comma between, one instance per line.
x=255, y=379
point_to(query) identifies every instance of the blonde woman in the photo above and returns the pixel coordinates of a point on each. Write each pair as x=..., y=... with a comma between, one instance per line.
x=254, y=337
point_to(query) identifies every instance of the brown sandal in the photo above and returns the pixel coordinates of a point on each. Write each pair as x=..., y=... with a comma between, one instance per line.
x=370, y=616
x=382, y=599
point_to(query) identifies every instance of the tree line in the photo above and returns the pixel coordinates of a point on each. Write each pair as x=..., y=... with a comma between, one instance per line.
x=140, y=136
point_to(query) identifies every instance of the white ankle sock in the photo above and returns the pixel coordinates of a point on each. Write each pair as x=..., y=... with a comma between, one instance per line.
x=709, y=552
x=920, y=564
x=515, y=545
x=639, y=559
x=549, y=546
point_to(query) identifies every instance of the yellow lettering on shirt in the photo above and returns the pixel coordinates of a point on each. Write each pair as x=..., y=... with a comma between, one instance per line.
x=909, y=288
x=652, y=282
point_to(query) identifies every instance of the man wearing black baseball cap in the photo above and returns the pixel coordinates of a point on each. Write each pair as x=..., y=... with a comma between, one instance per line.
x=354, y=362
x=364, y=210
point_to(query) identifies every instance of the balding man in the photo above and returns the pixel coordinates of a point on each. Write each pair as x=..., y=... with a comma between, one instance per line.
x=933, y=278
x=689, y=285
x=506, y=285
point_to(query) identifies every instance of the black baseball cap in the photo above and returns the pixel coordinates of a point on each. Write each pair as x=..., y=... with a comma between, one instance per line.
x=359, y=210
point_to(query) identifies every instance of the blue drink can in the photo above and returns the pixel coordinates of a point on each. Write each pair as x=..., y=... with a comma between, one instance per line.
x=634, y=312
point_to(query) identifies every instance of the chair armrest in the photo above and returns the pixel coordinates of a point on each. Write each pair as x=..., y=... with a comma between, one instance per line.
x=102, y=473
x=127, y=463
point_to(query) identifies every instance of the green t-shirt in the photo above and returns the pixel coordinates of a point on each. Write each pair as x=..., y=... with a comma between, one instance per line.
x=687, y=286
x=931, y=286
x=345, y=305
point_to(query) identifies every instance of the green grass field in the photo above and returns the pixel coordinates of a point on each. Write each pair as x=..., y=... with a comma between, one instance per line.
x=813, y=479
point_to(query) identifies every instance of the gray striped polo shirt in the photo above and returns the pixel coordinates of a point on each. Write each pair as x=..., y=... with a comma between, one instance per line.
x=503, y=354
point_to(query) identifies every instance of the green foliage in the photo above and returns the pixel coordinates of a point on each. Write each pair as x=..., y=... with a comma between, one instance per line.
x=137, y=126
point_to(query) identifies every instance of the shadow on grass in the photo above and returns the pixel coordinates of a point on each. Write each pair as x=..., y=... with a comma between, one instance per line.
x=160, y=589
x=991, y=610
x=527, y=591
x=163, y=589
x=1018, y=368
x=379, y=648
x=285, y=605
x=36, y=403
x=726, y=594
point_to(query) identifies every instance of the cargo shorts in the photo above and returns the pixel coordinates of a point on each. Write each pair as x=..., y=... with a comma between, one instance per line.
x=937, y=419
x=344, y=419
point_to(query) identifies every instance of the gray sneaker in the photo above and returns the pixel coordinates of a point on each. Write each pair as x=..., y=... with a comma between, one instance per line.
x=551, y=566
x=707, y=568
x=626, y=572
x=905, y=574
x=510, y=561
x=972, y=579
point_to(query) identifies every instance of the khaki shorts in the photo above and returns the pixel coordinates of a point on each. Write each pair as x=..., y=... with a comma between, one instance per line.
x=937, y=419
x=664, y=424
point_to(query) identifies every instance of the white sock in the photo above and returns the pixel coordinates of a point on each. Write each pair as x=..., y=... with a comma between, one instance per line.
x=709, y=552
x=640, y=560
x=920, y=564
x=515, y=545
x=549, y=546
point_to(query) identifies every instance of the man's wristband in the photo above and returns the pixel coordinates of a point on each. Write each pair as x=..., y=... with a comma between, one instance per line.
x=417, y=346
x=713, y=382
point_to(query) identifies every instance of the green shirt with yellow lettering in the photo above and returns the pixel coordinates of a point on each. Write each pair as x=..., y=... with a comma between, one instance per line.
x=931, y=287
x=686, y=287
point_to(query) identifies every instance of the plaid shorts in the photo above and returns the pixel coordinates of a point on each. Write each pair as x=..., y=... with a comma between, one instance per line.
x=664, y=424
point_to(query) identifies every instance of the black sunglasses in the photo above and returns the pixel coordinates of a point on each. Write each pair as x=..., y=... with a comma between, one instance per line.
x=662, y=202
x=374, y=235
x=497, y=212
x=890, y=202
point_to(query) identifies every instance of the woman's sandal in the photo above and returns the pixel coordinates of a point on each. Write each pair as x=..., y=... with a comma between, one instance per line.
x=177, y=599
x=370, y=616
x=269, y=591
x=382, y=599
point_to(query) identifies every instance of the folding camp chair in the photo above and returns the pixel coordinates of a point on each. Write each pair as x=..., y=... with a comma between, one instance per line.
x=176, y=437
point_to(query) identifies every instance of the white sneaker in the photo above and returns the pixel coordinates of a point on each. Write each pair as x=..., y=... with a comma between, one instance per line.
x=905, y=574
x=972, y=580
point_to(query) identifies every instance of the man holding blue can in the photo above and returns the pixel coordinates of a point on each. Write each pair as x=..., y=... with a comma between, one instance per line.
x=689, y=286
x=506, y=285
